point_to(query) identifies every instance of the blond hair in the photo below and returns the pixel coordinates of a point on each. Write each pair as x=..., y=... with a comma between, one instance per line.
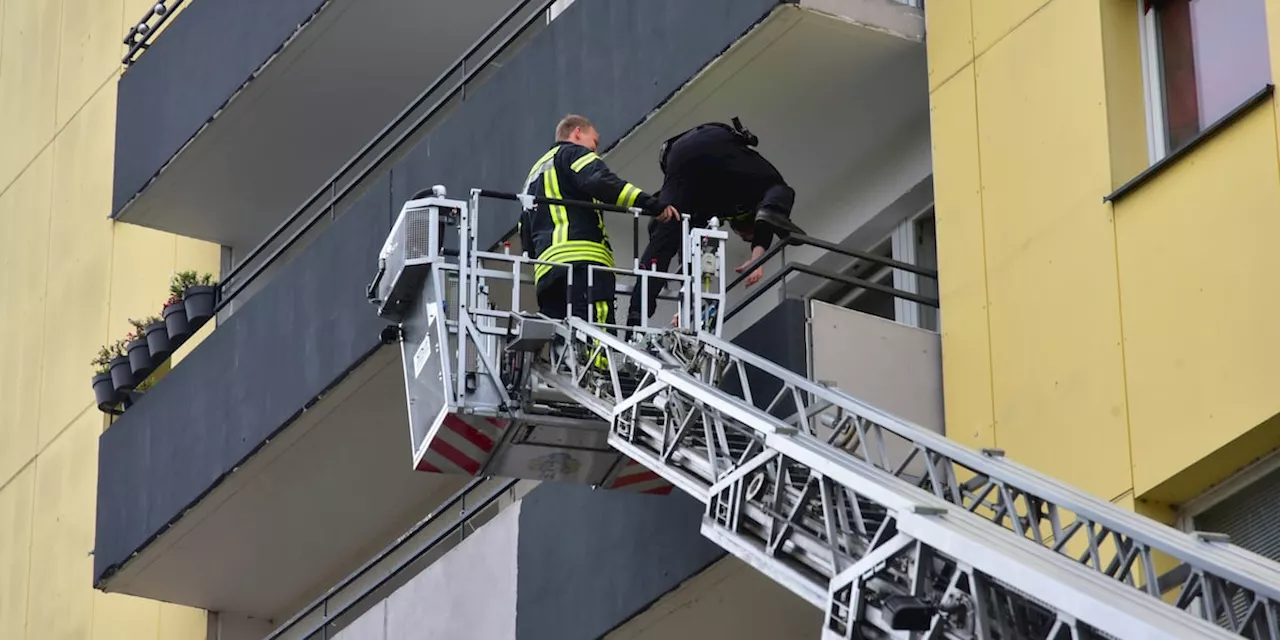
x=570, y=122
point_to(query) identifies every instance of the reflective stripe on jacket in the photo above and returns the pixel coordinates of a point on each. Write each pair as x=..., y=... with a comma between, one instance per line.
x=556, y=233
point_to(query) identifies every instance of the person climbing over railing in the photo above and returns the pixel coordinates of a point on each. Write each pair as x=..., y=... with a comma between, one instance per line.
x=712, y=170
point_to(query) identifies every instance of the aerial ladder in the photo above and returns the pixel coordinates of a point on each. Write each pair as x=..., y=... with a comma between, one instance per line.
x=891, y=530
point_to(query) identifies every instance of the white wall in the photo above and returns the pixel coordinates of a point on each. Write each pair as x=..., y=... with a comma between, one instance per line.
x=468, y=593
x=891, y=366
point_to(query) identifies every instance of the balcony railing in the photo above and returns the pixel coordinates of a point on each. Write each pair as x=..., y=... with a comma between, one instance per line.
x=141, y=34
x=385, y=148
x=789, y=268
x=428, y=540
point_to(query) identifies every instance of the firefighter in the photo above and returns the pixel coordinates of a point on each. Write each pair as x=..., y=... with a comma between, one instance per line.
x=571, y=170
x=712, y=171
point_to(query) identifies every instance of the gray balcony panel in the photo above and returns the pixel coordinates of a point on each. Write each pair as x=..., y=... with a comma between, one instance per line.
x=200, y=155
x=613, y=61
x=247, y=380
x=203, y=56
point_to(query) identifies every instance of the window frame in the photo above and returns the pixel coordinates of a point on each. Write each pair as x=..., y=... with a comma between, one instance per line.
x=874, y=273
x=901, y=244
x=1187, y=512
x=1214, y=495
x=1154, y=90
x=1242, y=479
x=1152, y=83
x=905, y=246
x=1159, y=156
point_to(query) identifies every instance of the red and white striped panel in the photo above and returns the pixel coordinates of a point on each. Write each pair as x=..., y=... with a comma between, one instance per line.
x=462, y=444
x=636, y=477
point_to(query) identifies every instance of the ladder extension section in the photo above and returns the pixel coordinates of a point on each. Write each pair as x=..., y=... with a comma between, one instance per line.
x=887, y=526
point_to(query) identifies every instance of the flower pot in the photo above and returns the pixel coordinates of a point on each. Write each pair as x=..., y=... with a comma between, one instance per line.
x=199, y=302
x=140, y=358
x=104, y=392
x=121, y=374
x=175, y=321
x=158, y=342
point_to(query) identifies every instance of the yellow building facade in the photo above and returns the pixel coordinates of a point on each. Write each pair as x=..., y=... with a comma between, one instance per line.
x=69, y=281
x=1106, y=277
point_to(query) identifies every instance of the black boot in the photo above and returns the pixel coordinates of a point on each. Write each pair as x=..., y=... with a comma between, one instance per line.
x=782, y=225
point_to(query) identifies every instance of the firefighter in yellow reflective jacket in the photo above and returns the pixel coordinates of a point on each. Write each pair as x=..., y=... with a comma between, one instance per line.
x=576, y=236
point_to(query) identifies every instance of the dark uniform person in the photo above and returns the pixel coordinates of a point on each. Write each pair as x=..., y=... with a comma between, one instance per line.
x=712, y=171
x=571, y=170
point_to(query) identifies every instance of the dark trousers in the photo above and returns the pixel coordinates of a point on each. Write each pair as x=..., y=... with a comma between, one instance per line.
x=665, y=241
x=596, y=303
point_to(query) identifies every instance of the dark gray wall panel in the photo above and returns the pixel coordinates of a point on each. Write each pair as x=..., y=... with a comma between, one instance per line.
x=779, y=336
x=247, y=380
x=613, y=61
x=205, y=53
x=589, y=560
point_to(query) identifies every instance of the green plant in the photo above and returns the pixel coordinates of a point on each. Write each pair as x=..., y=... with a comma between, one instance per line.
x=179, y=281
x=183, y=280
x=174, y=298
x=140, y=326
x=102, y=362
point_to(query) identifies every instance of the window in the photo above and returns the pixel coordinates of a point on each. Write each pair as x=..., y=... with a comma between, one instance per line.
x=915, y=242
x=1250, y=515
x=1203, y=58
x=1246, y=507
x=912, y=241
